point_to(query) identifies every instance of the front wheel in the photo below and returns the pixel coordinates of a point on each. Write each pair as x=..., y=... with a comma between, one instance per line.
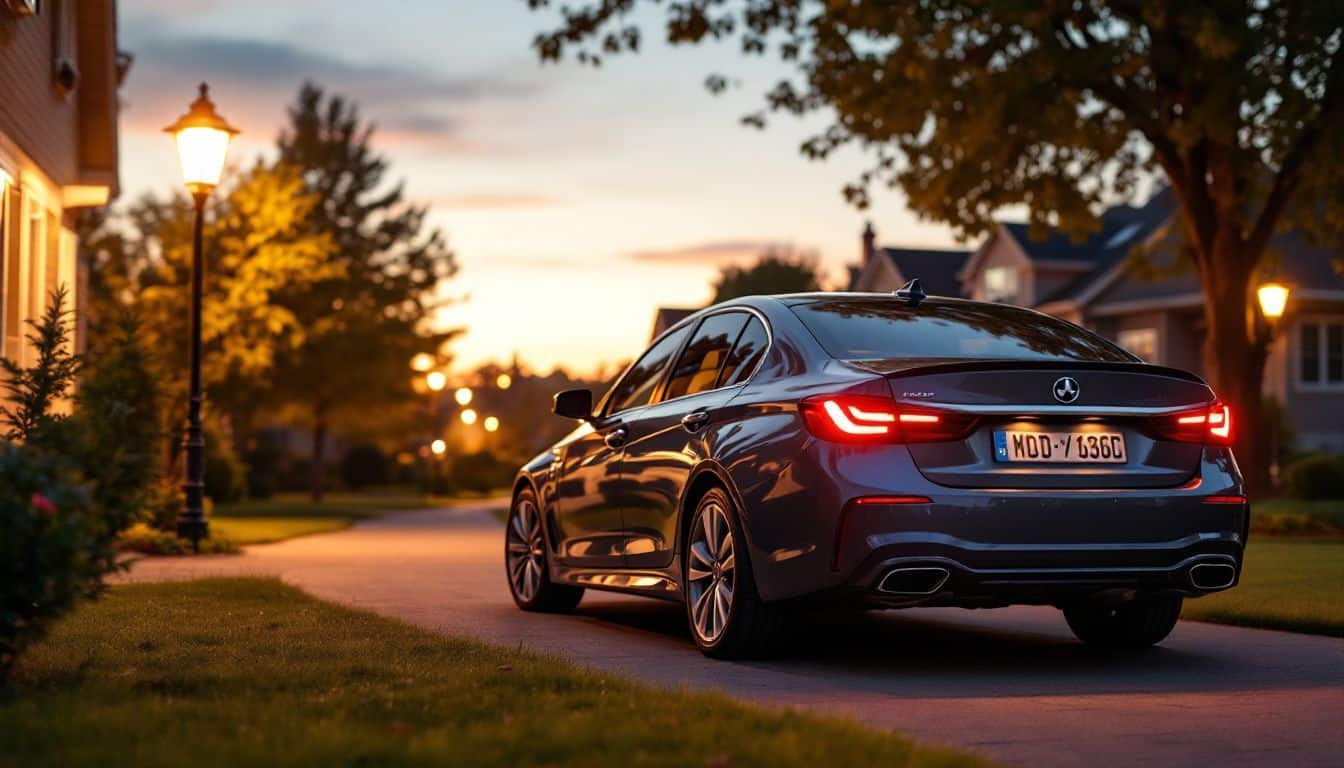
x=1126, y=626
x=728, y=618
x=525, y=561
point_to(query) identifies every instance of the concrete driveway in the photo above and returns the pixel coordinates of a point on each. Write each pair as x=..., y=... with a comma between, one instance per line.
x=1010, y=683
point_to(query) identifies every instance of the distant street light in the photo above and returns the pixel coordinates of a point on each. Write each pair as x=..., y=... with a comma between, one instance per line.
x=463, y=396
x=202, y=144
x=436, y=381
x=491, y=423
x=1273, y=300
x=468, y=416
x=422, y=362
x=504, y=381
x=439, y=447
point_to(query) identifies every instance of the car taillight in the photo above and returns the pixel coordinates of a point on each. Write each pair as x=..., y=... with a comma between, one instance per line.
x=867, y=419
x=1207, y=425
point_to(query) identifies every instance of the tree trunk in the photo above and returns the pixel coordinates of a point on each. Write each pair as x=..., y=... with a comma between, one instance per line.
x=1234, y=360
x=319, y=463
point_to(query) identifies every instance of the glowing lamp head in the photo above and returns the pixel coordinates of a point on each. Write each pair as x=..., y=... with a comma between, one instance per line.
x=491, y=424
x=438, y=447
x=436, y=381
x=463, y=395
x=504, y=381
x=468, y=416
x=422, y=362
x=1273, y=299
x=202, y=143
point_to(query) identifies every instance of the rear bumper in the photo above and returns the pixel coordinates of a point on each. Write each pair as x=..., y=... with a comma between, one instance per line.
x=999, y=546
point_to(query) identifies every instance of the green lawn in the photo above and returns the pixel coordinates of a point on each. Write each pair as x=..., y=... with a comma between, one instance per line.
x=265, y=530
x=1292, y=584
x=1296, y=517
x=231, y=672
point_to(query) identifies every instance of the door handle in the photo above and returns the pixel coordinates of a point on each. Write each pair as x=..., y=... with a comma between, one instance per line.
x=694, y=420
x=615, y=438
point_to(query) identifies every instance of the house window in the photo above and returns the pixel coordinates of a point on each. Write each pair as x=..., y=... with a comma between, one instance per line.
x=1000, y=284
x=1141, y=342
x=1321, y=354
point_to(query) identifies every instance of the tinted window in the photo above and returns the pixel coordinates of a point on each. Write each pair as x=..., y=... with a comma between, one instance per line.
x=875, y=329
x=697, y=369
x=636, y=387
x=746, y=354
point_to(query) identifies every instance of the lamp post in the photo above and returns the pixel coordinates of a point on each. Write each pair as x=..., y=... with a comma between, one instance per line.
x=202, y=143
x=1273, y=300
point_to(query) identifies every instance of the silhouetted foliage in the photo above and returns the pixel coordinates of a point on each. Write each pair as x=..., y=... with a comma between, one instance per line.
x=774, y=272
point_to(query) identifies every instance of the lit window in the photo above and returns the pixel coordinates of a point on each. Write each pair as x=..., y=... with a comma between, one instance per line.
x=1141, y=342
x=1000, y=284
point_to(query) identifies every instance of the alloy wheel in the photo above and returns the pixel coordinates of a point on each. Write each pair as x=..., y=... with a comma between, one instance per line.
x=526, y=551
x=711, y=572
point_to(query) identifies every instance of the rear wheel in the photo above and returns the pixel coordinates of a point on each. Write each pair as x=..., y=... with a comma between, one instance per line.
x=525, y=561
x=728, y=618
x=1125, y=626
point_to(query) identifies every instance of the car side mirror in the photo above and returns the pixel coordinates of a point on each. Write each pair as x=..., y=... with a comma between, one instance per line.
x=574, y=404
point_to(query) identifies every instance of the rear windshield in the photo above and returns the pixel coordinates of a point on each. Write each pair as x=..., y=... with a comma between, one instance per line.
x=880, y=329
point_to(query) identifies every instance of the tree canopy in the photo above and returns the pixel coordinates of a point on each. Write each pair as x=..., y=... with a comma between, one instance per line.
x=776, y=271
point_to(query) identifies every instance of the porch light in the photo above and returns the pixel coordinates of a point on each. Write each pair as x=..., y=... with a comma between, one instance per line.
x=1273, y=300
x=202, y=142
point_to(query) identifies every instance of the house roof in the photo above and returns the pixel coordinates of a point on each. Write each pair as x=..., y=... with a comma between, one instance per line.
x=666, y=317
x=936, y=269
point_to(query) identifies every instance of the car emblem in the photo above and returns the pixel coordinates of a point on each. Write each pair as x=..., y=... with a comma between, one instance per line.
x=1066, y=389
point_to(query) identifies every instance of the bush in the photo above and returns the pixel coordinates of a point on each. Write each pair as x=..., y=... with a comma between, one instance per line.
x=50, y=553
x=225, y=473
x=68, y=484
x=363, y=465
x=482, y=472
x=146, y=540
x=265, y=459
x=1319, y=476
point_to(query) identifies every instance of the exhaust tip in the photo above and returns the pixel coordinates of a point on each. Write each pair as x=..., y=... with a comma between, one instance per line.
x=1209, y=576
x=913, y=581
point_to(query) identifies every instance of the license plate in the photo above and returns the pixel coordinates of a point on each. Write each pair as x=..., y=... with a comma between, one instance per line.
x=1060, y=447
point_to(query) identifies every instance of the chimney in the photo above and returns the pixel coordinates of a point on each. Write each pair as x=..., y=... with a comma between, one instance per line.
x=869, y=238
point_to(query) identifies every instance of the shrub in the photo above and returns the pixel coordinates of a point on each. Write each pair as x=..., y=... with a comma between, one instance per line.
x=363, y=465
x=1319, y=476
x=265, y=459
x=482, y=472
x=225, y=473
x=49, y=546
x=146, y=540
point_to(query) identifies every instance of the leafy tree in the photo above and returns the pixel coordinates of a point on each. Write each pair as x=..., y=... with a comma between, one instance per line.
x=774, y=272
x=258, y=249
x=364, y=323
x=972, y=105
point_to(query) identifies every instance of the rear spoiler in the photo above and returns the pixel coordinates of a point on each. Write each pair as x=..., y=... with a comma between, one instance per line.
x=900, y=368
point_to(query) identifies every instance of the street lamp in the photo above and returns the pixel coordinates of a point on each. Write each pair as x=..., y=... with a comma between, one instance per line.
x=436, y=381
x=468, y=416
x=491, y=423
x=463, y=395
x=1273, y=298
x=504, y=381
x=422, y=362
x=438, y=447
x=202, y=143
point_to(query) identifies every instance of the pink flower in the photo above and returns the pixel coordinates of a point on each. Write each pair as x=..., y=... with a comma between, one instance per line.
x=42, y=504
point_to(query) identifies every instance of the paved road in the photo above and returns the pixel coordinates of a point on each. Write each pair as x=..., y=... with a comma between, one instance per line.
x=1009, y=683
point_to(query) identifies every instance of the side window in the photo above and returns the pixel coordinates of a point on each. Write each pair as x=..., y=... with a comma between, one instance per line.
x=697, y=369
x=746, y=354
x=636, y=387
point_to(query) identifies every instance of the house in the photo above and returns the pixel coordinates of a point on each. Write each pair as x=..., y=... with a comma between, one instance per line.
x=59, y=75
x=666, y=317
x=1155, y=312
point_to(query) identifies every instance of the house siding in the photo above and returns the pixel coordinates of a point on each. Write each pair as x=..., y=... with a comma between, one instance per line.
x=42, y=123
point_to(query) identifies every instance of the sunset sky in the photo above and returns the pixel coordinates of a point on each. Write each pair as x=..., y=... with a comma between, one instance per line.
x=577, y=199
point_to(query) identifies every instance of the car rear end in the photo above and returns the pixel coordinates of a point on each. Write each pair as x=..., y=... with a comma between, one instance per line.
x=983, y=455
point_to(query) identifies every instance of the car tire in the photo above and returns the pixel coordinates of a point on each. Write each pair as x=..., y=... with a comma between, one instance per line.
x=716, y=563
x=526, y=563
x=1127, y=626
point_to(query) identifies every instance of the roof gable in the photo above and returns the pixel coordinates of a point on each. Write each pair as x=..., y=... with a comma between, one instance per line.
x=937, y=269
